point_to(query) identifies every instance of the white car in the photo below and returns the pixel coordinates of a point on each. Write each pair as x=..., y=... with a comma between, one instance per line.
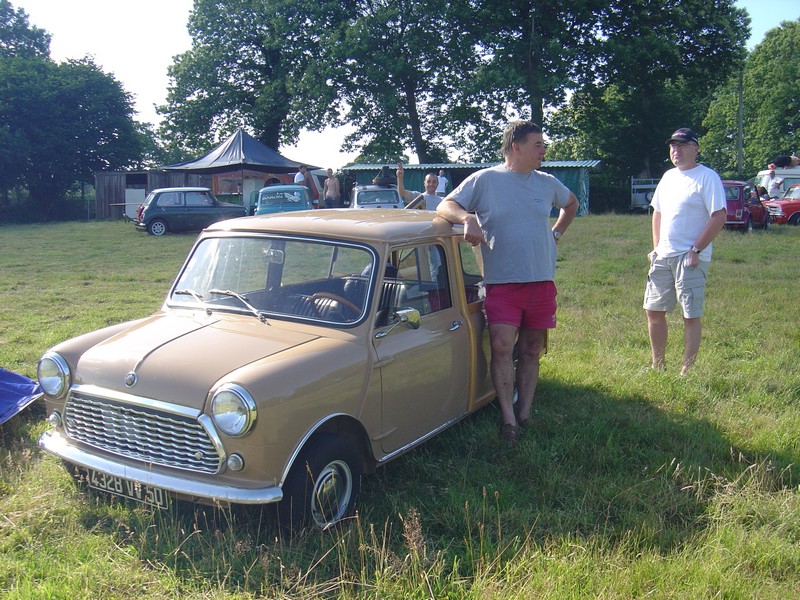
x=376, y=196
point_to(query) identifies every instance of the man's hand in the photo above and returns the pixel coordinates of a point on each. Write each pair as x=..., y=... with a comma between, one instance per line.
x=472, y=231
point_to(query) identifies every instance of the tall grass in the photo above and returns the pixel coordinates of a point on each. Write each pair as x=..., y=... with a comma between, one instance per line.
x=629, y=483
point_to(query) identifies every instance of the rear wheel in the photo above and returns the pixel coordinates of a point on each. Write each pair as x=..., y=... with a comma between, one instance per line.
x=322, y=486
x=157, y=227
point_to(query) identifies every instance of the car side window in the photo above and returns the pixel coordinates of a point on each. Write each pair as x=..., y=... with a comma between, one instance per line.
x=198, y=199
x=169, y=199
x=421, y=281
x=472, y=269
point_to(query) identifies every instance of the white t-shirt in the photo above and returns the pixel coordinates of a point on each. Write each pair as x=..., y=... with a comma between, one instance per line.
x=442, y=187
x=299, y=178
x=686, y=200
x=513, y=209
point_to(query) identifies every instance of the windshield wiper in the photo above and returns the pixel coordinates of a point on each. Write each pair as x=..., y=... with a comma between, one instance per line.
x=261, y=316
x=198, y=298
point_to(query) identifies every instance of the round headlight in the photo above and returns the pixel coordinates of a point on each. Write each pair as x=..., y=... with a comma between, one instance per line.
x=233, y=410
x=53, y=374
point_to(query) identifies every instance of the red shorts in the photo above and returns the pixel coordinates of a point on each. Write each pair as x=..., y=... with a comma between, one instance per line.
x=525, y=305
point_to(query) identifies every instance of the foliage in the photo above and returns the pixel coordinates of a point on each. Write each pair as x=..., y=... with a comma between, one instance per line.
x=59, y=123
x=18, y=37
x=771, y=106
x=628, y=484
x=658, y=66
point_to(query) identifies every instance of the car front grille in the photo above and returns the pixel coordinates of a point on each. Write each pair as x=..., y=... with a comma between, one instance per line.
x=141, y=432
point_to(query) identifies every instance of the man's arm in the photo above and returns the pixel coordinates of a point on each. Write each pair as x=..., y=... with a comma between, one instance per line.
x=712, y=228
x=656, y=232
x=452, y=211
x=401, y=188
x=566, y=215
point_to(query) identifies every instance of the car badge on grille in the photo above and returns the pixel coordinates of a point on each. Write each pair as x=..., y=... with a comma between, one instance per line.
x=131, y=379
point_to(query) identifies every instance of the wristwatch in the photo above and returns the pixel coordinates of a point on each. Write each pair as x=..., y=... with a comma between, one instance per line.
x=556, y=234
x=696, y=250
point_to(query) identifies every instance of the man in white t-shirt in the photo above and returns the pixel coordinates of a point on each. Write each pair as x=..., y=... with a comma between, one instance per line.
x=300, y=176
x=441, y=188
x=773, y=185
x=688, y=212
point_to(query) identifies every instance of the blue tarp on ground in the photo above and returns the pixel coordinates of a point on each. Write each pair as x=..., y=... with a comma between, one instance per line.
x=16, y=392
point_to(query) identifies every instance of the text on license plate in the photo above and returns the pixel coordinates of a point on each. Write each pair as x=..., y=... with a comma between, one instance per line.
x=129, y=489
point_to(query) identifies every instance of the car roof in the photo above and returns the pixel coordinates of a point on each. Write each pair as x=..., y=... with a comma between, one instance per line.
x=734, y=182
x=285, y=187
x=371, y=226
x=372, y=186
x=181, y=189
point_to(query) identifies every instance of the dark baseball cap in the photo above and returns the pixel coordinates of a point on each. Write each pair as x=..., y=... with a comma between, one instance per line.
x=685, y=135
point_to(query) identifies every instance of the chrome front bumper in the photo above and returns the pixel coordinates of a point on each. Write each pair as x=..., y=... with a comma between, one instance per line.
x=54, y=442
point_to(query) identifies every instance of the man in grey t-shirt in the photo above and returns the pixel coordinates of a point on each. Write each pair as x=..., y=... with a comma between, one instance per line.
x=506, y=209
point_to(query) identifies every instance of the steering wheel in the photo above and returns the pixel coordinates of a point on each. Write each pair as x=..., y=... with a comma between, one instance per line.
x=343, y=301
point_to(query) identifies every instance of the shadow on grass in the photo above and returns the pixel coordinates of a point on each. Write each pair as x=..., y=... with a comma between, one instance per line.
x=590, y=467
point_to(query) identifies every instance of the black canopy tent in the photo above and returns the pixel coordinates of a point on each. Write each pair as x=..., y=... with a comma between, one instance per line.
x=239, y=152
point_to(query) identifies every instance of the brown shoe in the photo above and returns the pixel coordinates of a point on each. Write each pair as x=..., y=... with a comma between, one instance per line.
x=509, y=434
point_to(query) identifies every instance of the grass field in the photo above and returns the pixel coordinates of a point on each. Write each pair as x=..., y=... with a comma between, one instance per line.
x=628, y=484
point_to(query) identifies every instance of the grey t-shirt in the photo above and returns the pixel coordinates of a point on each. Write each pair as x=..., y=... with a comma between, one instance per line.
x=513, y=210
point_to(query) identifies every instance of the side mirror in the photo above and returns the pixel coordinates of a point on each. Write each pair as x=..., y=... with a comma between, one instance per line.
x=408, y=316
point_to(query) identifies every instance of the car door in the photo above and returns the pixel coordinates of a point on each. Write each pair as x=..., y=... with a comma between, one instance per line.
x=200, y=209
x=424, y=372
x=170, y=209
x=758, y=213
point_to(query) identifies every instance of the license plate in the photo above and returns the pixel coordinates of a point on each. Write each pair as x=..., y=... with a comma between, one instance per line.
x=126, y=488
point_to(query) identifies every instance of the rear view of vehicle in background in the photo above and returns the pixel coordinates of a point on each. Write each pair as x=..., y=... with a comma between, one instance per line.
x=745, y=209
x=376, y=196
x=282, y=198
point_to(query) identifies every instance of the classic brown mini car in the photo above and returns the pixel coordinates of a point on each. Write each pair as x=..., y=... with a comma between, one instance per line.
x=293, y=353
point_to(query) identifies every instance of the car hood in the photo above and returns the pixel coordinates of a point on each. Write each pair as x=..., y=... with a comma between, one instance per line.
x=179, y=358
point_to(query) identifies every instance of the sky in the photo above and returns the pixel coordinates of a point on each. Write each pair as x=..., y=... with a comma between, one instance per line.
x=136, y=41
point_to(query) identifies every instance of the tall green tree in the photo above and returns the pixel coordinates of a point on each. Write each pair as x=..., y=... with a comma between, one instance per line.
x=243, y=70
x=65, y=122
x=657, y=64
x=771, y=106
x=18, y=37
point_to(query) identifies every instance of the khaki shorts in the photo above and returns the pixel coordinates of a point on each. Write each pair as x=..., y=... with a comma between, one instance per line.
x=670, y=281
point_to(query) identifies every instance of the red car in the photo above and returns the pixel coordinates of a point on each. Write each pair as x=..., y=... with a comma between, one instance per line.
x=745, y=209
x=787, y=209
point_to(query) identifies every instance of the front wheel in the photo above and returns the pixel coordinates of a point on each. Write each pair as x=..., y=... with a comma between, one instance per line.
x=157, y=227
x=795, y=220
x=322, y=486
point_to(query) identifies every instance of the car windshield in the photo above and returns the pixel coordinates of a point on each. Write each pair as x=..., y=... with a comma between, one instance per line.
x=298, y=279
x=793, y=193
x=377, y=197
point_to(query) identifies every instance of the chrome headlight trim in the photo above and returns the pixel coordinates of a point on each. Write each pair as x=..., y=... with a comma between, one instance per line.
x=54, y=375
x=233, y=410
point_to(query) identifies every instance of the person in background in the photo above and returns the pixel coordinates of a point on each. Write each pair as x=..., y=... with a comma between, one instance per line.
x=300, y=176
x=431, y=181
x=688, y=212
x=441, y=188
x=773, y=184
x=506, y=209
x=331, y=192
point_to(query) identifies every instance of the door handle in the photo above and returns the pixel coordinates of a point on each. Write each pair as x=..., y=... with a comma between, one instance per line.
x=455, y=325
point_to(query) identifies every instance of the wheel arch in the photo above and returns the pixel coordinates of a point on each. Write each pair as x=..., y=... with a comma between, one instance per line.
x=344, y=426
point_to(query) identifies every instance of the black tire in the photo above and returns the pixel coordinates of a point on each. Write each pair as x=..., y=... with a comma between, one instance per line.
x=157, y=227
x=323, y=485
x=795, y=220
